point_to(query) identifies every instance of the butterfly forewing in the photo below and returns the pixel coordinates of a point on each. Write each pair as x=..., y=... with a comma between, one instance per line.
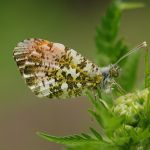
x=53, y=70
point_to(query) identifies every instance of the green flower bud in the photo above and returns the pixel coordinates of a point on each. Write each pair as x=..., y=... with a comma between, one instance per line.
x=131, y=105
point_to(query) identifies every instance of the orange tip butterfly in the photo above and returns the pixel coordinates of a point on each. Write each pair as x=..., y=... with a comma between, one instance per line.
x=55, y=71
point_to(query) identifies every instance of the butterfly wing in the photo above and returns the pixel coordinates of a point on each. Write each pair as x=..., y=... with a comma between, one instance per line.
x=53, y=70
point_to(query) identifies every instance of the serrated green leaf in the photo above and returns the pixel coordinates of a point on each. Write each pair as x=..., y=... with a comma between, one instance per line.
x=93, y=147
x=109, y=47
x=69, y=140
x=86, y=136
x=96, y=116
x=95, y=133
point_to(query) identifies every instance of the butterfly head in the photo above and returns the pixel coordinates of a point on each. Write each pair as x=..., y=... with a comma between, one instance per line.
x=114, y=71
x=109, y=73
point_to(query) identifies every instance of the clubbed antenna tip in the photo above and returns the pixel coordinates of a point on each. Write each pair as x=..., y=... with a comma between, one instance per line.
x=144, y=44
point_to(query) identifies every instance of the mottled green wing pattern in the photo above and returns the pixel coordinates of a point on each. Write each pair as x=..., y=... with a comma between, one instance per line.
x=53, y=70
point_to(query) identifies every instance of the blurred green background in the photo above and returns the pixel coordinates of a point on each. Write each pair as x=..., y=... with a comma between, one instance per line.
x=73, y=23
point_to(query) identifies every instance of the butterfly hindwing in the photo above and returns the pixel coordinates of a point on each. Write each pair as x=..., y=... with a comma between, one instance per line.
x=53, y=70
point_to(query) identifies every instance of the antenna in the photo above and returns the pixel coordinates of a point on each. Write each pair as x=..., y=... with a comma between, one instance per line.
x=142, y=45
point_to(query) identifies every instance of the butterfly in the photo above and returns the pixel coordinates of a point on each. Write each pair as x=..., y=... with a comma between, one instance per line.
x=55, y=71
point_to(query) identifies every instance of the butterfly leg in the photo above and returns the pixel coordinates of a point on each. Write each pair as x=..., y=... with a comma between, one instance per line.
x=119, y=88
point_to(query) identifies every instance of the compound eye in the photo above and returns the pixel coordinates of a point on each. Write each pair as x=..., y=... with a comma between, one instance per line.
x=116, y=74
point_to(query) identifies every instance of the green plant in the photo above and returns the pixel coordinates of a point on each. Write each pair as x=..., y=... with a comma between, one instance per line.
x=110, y=48
x=124, y=123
